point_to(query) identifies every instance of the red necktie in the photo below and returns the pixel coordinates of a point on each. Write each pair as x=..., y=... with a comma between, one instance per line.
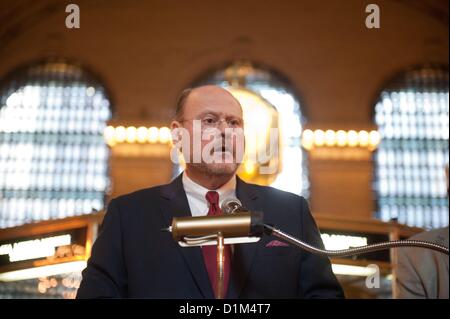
x=210, y=252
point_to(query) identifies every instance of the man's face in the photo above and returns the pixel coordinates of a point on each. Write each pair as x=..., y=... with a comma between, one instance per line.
x=209, y=114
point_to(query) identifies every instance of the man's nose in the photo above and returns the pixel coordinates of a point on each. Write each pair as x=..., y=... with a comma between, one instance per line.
x=222, y=126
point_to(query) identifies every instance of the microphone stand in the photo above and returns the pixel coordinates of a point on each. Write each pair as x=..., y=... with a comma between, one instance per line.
x=220, y=265
x=242, y=227
x=220, y=259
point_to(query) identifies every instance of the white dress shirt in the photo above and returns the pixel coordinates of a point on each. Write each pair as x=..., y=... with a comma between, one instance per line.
x=196, y=194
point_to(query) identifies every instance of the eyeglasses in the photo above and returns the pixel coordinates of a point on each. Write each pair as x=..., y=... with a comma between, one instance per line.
x=214, y=122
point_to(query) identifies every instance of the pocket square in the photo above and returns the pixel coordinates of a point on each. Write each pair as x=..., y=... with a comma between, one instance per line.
x=276, y=243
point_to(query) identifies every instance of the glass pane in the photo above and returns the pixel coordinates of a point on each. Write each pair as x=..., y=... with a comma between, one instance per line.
x=53, y=158
x=412, y=115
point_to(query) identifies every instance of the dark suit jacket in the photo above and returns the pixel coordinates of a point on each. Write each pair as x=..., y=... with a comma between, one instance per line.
x=133, y=258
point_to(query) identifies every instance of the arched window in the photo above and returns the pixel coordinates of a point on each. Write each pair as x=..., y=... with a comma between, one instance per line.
x=53, y=158
x=275, y=90
x=412, y=114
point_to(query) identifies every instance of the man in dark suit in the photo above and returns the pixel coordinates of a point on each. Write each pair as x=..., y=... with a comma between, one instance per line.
x=133, y=258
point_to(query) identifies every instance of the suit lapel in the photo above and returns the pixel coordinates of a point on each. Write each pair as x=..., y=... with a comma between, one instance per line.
x=243, y=253
x=175, y=204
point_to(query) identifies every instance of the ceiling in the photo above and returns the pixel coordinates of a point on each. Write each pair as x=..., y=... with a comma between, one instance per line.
x=19, y=15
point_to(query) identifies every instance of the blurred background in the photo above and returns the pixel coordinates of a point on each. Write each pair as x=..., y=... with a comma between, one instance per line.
x=84, y=115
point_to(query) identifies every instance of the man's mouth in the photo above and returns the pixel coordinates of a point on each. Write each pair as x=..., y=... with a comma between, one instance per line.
x=222, y=152
x=222, y=149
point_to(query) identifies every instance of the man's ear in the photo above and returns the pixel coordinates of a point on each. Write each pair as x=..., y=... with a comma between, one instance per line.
x=175, y=124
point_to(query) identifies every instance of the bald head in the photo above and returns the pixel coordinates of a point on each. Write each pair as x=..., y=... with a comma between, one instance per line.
x=205, y=96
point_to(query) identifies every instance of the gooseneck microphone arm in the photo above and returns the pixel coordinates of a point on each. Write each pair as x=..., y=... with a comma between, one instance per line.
x=270, y=230
x=234, y=205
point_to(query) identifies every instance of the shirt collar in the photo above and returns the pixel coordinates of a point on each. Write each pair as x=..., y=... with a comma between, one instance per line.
x=199, y=192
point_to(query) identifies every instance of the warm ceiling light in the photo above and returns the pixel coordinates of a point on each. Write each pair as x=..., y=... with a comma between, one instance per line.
x=363, y=137
x=374, y=138
x=131, y=134
x=319, y=137
x=109, y=135
x=153, y=134
x=341, y=138
x=352, y=138
x=121, y=134
x=330, y=137
x=308, y=139
x=164, y=135
x=141, y=134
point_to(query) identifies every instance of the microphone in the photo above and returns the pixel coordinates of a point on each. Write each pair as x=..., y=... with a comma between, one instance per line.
x=232, y=205
x=237, y=225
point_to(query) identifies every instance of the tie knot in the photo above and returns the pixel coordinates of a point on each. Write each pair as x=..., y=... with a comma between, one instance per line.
x=213, y=198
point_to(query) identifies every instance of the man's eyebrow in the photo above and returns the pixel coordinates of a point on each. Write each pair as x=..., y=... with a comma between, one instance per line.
x=218, y=114
x=209, y=113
